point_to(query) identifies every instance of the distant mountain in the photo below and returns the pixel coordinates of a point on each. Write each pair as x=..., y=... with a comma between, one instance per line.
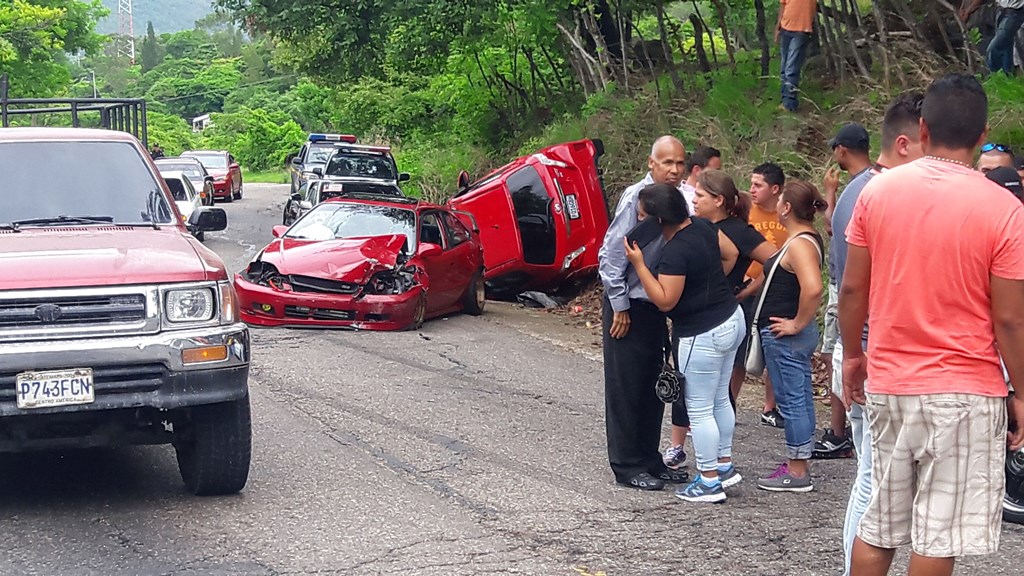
x=166, y=15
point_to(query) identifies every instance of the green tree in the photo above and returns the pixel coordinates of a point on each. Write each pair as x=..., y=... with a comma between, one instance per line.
x=35, y=35
x=150, y=49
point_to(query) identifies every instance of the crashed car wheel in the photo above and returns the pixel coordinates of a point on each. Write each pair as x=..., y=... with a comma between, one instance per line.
x=475, y=298
x=420, y=314
x=214, y=458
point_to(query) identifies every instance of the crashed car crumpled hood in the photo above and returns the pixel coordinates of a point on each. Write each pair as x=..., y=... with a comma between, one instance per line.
x=347, y=260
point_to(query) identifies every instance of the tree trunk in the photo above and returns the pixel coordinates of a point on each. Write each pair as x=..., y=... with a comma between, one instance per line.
x=704, y=25
x=762, y=39
x=851, y=32
x=702, y=57
x=720, y=10
x=669, y=60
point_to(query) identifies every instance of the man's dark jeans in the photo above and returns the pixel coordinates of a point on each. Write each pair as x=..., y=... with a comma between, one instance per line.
x=793, y=48
x=1000, y=50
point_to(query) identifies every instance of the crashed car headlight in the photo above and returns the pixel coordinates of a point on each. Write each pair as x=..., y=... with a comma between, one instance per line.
x=189, y=305
x=391, y=282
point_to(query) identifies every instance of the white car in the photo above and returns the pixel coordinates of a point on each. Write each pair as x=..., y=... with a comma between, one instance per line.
x=185, y=196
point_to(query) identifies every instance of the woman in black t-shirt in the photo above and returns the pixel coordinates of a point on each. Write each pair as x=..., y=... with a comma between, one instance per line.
x=707, y=327
x=719, y=201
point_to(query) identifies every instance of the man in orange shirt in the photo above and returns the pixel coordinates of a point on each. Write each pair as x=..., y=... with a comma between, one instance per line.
x=936, y=255
x=765, y=187
x=793, y=31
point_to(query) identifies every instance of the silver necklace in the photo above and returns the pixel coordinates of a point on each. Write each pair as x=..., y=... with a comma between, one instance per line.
x=950, y=160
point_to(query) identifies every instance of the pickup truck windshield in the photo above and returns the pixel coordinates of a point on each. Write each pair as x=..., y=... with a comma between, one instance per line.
x=40, y=180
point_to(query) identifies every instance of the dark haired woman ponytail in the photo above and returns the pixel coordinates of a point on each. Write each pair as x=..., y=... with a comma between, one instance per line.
x=742, y=208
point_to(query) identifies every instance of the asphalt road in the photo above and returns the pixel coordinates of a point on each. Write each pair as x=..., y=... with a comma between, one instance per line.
x=473, y=446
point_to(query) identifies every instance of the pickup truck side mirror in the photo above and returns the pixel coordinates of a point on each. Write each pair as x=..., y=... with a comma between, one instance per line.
x=305, y=205
x=318, y=171
x=208, y=219
x=297, y=197
x=279, y=230
x=403, y=177
x=463, y=179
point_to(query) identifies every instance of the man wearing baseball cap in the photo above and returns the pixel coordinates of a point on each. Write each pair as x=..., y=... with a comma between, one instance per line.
x=851, y=151
x=1007, y=178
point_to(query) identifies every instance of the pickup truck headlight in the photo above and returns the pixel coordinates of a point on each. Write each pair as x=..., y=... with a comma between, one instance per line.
x=189, y=305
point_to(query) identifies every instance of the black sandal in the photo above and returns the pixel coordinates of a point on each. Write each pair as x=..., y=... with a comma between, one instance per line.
x=644, y=481
x=673, y=476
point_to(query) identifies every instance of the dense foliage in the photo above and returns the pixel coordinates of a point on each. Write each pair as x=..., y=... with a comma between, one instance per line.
x=454, y=84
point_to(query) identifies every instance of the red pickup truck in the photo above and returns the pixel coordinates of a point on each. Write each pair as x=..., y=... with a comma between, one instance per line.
x=117, y=326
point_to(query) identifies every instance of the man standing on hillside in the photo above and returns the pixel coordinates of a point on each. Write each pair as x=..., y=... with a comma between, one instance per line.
x=634, y=332
x=901, y=144
x=945, y=292
x=999, y=55
x=793, y=32
x=766, y=183
x=850, y=150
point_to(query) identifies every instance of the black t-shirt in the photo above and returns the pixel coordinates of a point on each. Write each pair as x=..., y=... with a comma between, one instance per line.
x=747, y=239
x=707, y=299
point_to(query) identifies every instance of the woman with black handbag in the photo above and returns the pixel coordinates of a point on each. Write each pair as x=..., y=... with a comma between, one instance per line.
x=786, y=321
x=707, y=324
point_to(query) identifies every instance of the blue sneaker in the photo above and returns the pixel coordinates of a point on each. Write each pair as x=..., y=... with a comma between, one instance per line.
x=730, y=477
x=697, y=491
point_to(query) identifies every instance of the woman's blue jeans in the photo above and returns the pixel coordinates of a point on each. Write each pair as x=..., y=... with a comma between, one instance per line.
x=706, y=360
x=788, y=359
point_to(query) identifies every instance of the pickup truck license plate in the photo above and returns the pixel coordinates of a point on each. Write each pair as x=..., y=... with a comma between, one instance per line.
x=55, y=388
x=572, y=207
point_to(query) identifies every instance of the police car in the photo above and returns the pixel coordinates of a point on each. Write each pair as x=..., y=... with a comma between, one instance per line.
x=314, y=155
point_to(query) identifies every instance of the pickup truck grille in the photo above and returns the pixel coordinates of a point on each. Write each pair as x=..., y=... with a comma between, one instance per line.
x=130, y=379
x=72, y=311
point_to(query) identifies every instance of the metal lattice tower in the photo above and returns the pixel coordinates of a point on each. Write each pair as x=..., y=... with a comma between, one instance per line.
x=125, y=30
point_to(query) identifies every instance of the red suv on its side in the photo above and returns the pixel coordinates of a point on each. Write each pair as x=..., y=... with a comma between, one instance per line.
x=227, y=174
x=542, y=217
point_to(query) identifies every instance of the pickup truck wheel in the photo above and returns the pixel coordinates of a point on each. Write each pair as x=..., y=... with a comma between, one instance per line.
x=475, y=298
x=215, y=459
x=1013, y=510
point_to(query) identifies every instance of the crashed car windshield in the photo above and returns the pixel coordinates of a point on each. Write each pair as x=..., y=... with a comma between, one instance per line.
x=338, y=220
x=84, y=182
x=361, y=165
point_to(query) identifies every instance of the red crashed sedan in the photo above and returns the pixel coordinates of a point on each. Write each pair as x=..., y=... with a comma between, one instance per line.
x=367, y=262
x=542, y=217
x=227, y=175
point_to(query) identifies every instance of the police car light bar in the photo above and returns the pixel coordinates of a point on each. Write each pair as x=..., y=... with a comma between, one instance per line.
x=332, y=138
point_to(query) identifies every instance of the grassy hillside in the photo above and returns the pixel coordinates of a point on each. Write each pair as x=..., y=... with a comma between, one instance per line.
x=166, y=15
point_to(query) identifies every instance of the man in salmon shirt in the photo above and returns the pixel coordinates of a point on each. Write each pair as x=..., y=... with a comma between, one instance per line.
x=935, y=253
x=793, y=32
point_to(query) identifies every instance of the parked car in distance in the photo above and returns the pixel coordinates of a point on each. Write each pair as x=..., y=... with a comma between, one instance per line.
x=313, y=154
x=185, y=198
x=365, y=262
x=227, y=174
x=117, y=327
x=313, y=192
x=542, y=217
x=194, y=170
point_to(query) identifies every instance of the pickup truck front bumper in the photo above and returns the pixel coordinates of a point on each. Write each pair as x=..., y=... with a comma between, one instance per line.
x=135, y=371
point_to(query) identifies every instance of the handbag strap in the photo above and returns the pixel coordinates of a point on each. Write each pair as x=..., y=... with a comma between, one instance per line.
x=771, y=273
